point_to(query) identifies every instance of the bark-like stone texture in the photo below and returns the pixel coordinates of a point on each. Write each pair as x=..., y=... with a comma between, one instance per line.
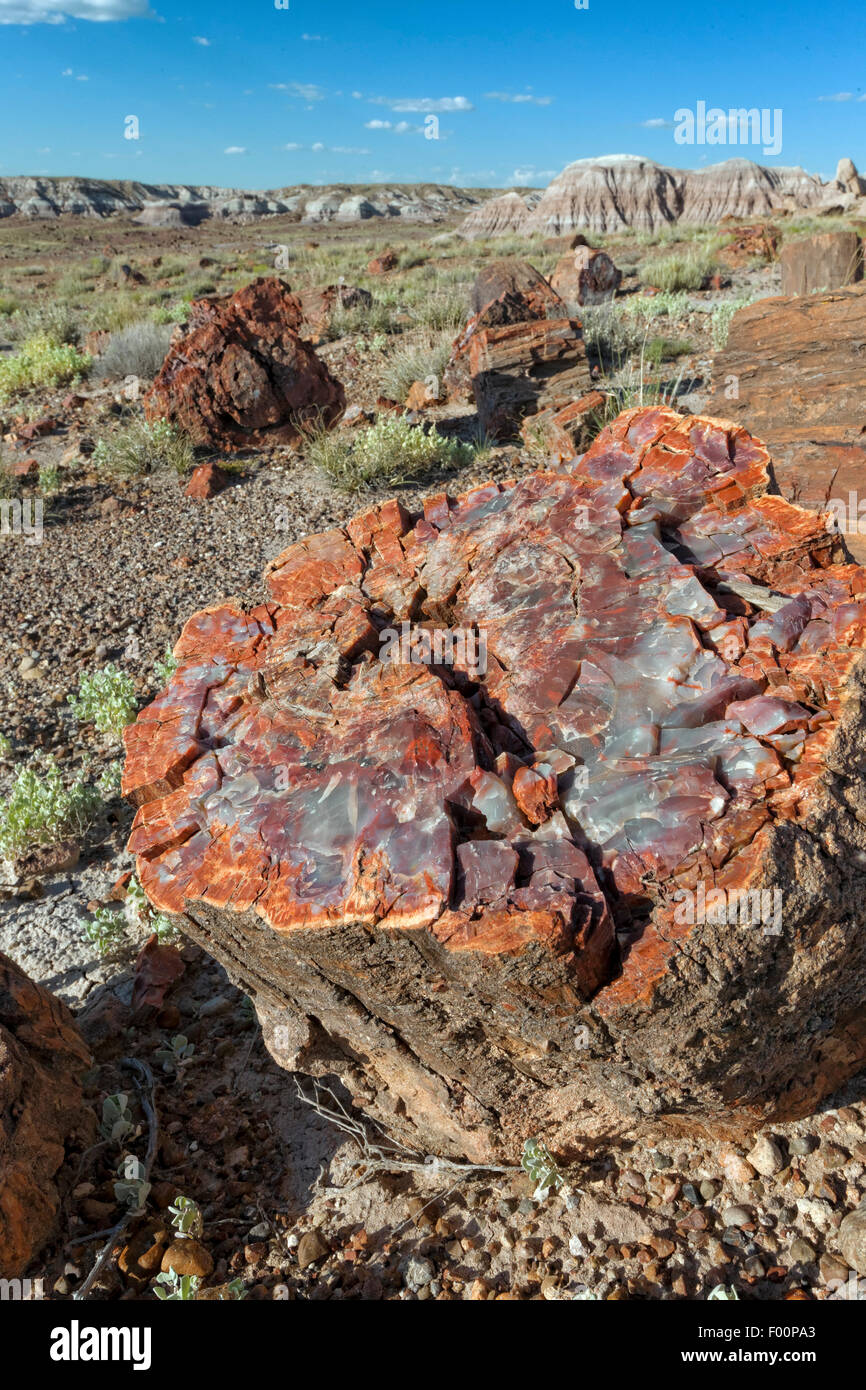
x=585, y=276
x=793, y=370
x=240, y=377
x=464, y=886
x=824, y=262
x=507, y=292
x=42, y=1059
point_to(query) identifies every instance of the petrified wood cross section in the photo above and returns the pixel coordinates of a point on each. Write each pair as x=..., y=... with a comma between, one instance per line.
x=617, y=871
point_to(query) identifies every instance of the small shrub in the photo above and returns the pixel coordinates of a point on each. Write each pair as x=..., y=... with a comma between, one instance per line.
x=105, y=930
x=186, y=1217
x=164, y=667
x=541, y=1167
x=7, y=306
x=107, y=699
x=686, y=270
x=172, y=1287
x=365, y=319
x=391, y=451
x=40, y=810
x=138, y=350
x=662, y=349
x=117, y=1124
x=445, y=309
x=144, y=447
x=176, y=1056
x=720, y=318
x=414, y=362
x=42, y=361
x=55, y=320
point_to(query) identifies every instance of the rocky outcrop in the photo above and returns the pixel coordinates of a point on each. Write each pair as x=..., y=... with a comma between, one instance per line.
x=172, y=214
x=240, y=376
x=612, y=192
x=585, y=276
x=42, y=1061
x=847, y=178
x=55, y=197
x=508, y=213
x=586, y=850
x=793, y=370
x=740, y=188
x=606, y=195
x=828, y=261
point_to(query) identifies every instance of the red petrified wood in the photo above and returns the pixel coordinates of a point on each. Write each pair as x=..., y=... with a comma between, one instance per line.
x=240, y=376
x=511, y=896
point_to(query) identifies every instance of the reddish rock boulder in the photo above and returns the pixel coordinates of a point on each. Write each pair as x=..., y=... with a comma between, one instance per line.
x=758, y=242
x=792, y=371
x=206, y=481
x=817, y=263
x=239, y=376
x=381, y=265
x=585, y=276
x=524, y=368
x=609, y=872
x=42, y=1060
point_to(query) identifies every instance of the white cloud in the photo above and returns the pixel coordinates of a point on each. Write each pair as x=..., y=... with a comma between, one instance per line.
x=518, y=97
x=424, y=103
x=657, y=123
x=530, y=175
x=307, y=90
x=400, y=128
x=320, y=147
x=311, y=38
x=58, y=11
x=205, y=43
x=69, y=72
x=839, y=96
x=235, y=149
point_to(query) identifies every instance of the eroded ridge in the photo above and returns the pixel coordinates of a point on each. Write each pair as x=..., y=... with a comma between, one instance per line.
x=638, y=726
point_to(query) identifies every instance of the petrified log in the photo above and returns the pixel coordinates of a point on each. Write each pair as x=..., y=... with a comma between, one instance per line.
x=239, y=376
x=42, y=1060
x=500, y=874
x=793, y=372
x=524, y=368
x=559, y=432
x=507, y=292
x=828, y=261
x=585, y=276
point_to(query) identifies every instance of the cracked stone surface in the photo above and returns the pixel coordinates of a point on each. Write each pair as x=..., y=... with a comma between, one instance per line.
x=240, y=377
x=470, y=885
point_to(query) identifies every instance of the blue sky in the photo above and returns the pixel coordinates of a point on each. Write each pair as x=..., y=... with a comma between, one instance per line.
x=252, y=95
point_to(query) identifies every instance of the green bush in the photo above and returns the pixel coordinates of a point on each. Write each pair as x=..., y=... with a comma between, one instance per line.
x=414, y=361
x=138, y=350
x=40, y=810
x=684, y=270
x=42, y=361
x=107, y=699
x=143, y=447
x=391, y=451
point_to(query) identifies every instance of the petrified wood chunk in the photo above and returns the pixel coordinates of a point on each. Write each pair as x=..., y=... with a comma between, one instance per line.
x=585, y=276
x=824, y=262
x=524, y=368
x=793, y=370
x=499, y=894
x=506, y=292
x=240, y=377
x=42, y=1060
